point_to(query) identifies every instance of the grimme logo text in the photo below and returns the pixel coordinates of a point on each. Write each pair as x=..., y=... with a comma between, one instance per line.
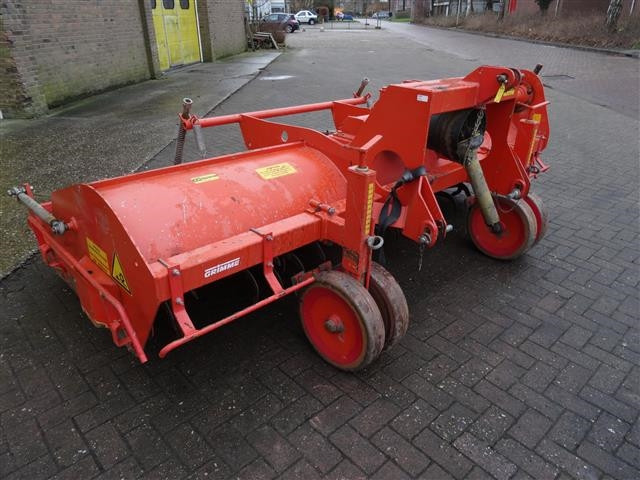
x=221, y=267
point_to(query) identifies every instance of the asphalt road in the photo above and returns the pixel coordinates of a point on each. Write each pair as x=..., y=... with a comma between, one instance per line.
x=606, y=80
x=527, y=369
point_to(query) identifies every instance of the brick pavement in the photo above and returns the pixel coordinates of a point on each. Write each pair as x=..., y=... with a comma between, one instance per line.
x=520, y=370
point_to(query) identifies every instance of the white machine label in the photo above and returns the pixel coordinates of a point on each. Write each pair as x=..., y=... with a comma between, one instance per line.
x=221, y=267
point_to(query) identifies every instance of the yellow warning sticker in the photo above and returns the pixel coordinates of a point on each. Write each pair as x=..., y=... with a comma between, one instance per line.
x=509, y=92
x=275, y=171
x=205, y=178
x=534, y=135
x=118, y=273
x=367, y=222
x=98, y=255
x=500, y=93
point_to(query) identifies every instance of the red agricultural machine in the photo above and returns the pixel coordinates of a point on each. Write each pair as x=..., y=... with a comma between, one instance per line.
x=303, y=211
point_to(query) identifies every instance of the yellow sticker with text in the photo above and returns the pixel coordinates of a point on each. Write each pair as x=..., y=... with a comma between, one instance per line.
x=98, y=255
x=534, y=135
x=367, y=222
x=509, y=92
x=205, y=178
x=275, y=171
x=118, y=274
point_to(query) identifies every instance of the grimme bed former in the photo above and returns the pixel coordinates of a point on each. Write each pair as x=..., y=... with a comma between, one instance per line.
x=303, y=211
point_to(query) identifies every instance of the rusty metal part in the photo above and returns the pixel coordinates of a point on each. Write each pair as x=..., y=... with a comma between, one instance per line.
x=392, y=303
x=363, y=85
x=186, y=107
x=57, y=226
x=182, y=132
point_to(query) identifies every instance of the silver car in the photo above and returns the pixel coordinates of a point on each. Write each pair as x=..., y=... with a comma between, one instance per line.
x=305, y=16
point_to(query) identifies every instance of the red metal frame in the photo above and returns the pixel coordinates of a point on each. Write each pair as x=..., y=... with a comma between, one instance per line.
x=164, y=226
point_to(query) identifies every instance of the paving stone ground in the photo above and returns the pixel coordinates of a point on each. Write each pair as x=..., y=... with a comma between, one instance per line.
x=528, y=369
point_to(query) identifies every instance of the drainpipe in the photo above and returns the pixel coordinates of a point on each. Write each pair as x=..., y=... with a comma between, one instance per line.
x=149, y=34
x=558, y=2
x=195, y=4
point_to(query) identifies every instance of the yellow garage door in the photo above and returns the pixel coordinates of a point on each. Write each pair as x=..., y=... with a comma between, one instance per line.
x=176, y=27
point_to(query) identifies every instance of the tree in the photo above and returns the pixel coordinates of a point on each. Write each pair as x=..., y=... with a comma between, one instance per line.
x=544, y=5
x=613, y=13
x=469, y=8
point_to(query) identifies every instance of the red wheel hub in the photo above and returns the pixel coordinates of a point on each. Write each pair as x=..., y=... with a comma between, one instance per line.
x=519, y=229
x=333, y=326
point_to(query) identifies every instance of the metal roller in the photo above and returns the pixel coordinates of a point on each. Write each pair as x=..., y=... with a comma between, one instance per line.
x=457, y=136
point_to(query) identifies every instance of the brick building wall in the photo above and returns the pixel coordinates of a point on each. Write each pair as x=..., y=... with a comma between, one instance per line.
x=221, y=27
x=18, y=87
x=54, y=51
x=63, y=50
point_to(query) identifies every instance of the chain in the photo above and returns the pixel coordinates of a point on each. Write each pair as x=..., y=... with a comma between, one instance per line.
x=425, y=239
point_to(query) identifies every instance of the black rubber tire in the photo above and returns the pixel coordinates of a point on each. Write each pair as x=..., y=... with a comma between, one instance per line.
x=541, y=213
x=392, y=303
x=311, y=22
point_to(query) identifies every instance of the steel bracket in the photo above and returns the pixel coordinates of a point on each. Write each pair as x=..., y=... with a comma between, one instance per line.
x=267, y=261
x=177, y=298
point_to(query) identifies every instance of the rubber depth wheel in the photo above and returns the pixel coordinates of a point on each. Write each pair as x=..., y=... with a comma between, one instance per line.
x=342, y=321
x=540, y=212
x=392, y=303
x=520, y=229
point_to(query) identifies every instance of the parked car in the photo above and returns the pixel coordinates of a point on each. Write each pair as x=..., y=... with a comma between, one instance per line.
x=280, y=21
x=344, y=17
x=380, y=15
x=305, y=16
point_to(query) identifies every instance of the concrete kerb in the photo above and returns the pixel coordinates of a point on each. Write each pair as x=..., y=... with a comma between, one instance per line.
x=30, y=254
x=632, y=53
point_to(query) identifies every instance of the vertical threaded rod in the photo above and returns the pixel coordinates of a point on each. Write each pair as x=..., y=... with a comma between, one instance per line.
x=182, y=133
